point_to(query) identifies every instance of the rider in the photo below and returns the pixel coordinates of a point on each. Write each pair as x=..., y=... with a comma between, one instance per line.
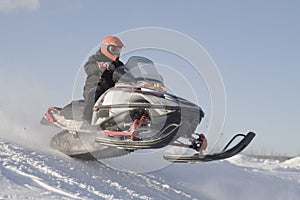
x=99, y=69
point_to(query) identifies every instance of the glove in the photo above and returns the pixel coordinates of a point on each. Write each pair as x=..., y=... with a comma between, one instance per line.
x=106, y=66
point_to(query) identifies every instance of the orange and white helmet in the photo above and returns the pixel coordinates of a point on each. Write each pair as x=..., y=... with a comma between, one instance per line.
x=111, y=47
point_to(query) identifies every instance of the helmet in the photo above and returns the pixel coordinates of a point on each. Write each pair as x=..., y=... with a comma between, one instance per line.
x=111, y=47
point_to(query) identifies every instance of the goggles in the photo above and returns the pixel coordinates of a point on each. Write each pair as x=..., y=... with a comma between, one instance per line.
x=112, y=49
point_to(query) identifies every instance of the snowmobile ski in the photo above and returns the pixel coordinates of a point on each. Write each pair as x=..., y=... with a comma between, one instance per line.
x=198, y=157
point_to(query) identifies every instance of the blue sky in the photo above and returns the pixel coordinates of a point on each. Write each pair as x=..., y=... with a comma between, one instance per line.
x=254, y=44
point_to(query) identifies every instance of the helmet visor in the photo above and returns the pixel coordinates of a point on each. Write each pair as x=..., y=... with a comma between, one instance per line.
x=114, y=50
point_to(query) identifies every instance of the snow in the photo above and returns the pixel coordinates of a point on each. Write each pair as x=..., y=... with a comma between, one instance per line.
x=30, y=174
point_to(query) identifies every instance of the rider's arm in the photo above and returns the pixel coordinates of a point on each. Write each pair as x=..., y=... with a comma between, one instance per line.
x=91, y=66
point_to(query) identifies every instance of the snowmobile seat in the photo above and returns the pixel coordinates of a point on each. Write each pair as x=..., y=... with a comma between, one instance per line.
x=73, y=110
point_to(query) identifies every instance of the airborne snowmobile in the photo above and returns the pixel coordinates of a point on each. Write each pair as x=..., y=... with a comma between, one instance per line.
x=137, y=113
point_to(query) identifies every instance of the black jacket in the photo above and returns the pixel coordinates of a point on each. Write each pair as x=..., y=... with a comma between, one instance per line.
x=95, y=77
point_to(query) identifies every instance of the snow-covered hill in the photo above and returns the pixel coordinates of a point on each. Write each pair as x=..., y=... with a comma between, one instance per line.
x=30, y=174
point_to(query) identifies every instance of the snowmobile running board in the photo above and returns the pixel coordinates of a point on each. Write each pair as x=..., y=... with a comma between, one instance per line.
x=216, y=156
x=162, y=140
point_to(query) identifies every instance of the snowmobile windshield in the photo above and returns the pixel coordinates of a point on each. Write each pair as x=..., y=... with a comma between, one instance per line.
x=143, y=69
x=142, y=72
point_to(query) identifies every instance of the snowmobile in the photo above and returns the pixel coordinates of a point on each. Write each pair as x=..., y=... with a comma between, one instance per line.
x=137, y=113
